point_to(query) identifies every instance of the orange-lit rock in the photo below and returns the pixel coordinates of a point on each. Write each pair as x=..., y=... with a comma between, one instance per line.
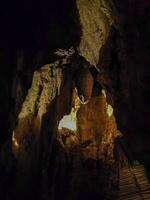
x=98, y=127
x=45, y=87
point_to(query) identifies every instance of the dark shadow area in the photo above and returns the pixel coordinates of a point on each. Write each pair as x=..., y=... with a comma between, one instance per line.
x=39, y=25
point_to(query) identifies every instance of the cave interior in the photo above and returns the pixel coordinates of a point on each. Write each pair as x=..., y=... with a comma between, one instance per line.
x=74, y=97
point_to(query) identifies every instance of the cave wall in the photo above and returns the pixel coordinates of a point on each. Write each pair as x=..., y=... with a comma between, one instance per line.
x=45, y=87
x=29, y=36
x=30, y=33
x=124, y=65
x=90, y=150
x=95, y=18
x=97, y=132
x=97, y=129
x=48, y=99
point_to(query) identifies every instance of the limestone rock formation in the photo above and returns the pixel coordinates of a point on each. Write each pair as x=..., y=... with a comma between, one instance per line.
x=37, y=80
x=95, y=19
x=84, y=84
x=90, y=147
x=45, y=86
x=98, y=128
x=124, y=74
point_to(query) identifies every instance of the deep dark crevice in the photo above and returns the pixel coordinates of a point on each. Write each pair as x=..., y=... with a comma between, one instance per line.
x=29, y=24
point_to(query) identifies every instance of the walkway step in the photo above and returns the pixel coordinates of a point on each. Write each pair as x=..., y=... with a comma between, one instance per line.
x=134, y=185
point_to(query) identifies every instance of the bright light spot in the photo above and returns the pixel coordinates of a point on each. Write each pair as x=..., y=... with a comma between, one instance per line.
x=104, y=93
x=15, y=141
x=70, y=121
x=109, y=110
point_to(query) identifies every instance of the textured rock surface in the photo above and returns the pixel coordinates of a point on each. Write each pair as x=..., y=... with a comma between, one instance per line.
x=124, y=74
x=95, y=19
x=84, y=84
x=45, y=87
x=45, y=169
x=90, y=149
x=96, y=128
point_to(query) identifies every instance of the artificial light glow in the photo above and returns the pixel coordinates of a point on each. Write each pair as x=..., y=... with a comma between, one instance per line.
x=70, y=121
x=109, y=110
x=15, y=141
x=104, y=93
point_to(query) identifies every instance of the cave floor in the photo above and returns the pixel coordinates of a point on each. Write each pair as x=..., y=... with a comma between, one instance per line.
x=134, y=185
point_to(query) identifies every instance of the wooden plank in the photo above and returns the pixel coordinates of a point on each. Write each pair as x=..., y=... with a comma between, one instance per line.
x=134, y=185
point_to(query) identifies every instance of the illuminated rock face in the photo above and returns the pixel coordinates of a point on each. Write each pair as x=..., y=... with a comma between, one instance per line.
x=124, y=74
x=89, y=144
x=98, y=127
x=46, y=85
x=70, y=121
x=33, y=139
x=92, y=126
x=44, y=166
x=95, y=18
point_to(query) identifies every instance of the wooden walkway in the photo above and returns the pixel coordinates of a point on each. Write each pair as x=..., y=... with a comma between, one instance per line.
x=134, y=185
